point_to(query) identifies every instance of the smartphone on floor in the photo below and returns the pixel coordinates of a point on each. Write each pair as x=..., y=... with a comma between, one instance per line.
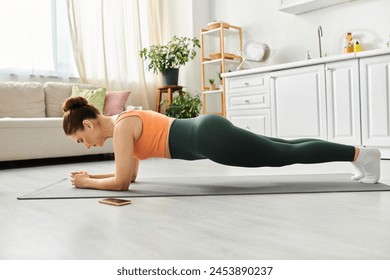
x=115, y=201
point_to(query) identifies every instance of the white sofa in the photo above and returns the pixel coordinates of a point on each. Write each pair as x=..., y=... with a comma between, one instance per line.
x=31, y=122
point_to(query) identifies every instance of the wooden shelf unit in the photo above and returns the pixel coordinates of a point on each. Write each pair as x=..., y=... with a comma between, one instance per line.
x=223, y=60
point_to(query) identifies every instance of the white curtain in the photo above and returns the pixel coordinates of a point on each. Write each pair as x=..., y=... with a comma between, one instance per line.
x=107, y=36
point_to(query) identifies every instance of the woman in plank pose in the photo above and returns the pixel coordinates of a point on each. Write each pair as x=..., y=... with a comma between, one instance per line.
x=139, y=135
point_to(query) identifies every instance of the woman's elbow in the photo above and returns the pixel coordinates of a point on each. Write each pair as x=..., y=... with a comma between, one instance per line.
x=122, y=186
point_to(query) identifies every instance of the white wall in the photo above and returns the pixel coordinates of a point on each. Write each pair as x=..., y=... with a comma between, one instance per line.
x=291, y=35
x=188, y=17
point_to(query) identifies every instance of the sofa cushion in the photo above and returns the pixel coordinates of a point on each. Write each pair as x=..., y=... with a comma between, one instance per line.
x=115, y=102
x=56, y=93
x=96, y=97
x=22, y=100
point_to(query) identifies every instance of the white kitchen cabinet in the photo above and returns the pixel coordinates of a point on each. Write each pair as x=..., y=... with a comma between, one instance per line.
x=297, y=7
x=255, y=120
x=375, y=102
x=248, y=103
x=343, y=102
x=298, y=102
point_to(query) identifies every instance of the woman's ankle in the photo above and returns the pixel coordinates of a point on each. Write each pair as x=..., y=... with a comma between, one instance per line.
x=357, y=152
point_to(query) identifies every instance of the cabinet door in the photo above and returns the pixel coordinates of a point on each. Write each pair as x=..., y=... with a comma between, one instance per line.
x=257, y=121
x=343, y=102
x=375, y=100
x=299, y=103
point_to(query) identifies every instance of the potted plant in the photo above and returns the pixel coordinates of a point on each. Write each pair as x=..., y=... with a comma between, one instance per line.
x=167, y=59
x=220, y=80
x=184, y=106
x=212, y=85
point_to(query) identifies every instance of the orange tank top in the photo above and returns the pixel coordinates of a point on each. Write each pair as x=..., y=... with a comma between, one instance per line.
x=154, y=136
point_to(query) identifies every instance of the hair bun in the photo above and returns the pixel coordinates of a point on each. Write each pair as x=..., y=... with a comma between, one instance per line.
x=72, y=103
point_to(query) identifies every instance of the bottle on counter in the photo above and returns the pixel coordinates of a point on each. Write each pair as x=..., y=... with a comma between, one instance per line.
x=357, y=47
x=308, y=55
x=349, y=46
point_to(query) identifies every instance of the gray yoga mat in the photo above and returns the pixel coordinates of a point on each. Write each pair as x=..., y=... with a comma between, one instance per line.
x=207, y=186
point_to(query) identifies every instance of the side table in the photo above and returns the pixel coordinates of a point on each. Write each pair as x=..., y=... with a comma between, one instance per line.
x=167, y=89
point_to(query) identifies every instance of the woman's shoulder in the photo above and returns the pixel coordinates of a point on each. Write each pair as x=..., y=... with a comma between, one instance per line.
x=139, y=113
x=128, y=125
x=125, y=115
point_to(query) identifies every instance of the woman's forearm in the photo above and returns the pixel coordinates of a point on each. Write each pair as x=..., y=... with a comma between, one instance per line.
x=110, y=175
x=102, y=176
x=109, y=183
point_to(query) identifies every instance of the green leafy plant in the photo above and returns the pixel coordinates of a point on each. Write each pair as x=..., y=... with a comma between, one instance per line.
x=184, y=106
x=176, y=53
x=211, y=81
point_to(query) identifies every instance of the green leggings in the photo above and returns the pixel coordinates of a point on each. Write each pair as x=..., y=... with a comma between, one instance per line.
x=215, y=138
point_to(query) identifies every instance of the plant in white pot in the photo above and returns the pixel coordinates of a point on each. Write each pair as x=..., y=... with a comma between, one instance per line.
x=220, y=80
x=167, y=59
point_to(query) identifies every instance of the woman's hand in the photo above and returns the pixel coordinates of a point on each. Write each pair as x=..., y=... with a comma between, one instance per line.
x=79, y=179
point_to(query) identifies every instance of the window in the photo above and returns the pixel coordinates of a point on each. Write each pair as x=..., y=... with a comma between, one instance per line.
x=35, y=38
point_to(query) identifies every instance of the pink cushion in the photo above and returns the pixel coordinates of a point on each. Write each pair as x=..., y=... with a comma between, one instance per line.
x=115, y=102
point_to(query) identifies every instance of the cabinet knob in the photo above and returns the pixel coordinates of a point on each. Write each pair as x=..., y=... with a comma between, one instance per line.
x=247, y=101
x=328, y=69
x=246, y=84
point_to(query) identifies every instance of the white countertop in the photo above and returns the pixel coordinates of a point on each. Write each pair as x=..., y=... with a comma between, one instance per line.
x=307, y=62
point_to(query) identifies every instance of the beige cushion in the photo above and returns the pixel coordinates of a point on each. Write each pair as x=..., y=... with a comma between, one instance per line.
x=22, y=100
x=56, y=93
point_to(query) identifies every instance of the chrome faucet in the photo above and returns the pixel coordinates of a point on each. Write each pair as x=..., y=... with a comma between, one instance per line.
x=320, y=34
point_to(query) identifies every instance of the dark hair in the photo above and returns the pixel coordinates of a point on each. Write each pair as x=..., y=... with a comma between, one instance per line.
x=76, y=110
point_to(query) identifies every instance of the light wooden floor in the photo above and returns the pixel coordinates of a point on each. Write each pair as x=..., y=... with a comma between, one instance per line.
x=287, y=226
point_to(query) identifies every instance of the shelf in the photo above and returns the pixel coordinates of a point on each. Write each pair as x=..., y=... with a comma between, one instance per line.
x=215, y=113
x=217, y=31
x=222, y=31
x=219, y=61
x=213, y=91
